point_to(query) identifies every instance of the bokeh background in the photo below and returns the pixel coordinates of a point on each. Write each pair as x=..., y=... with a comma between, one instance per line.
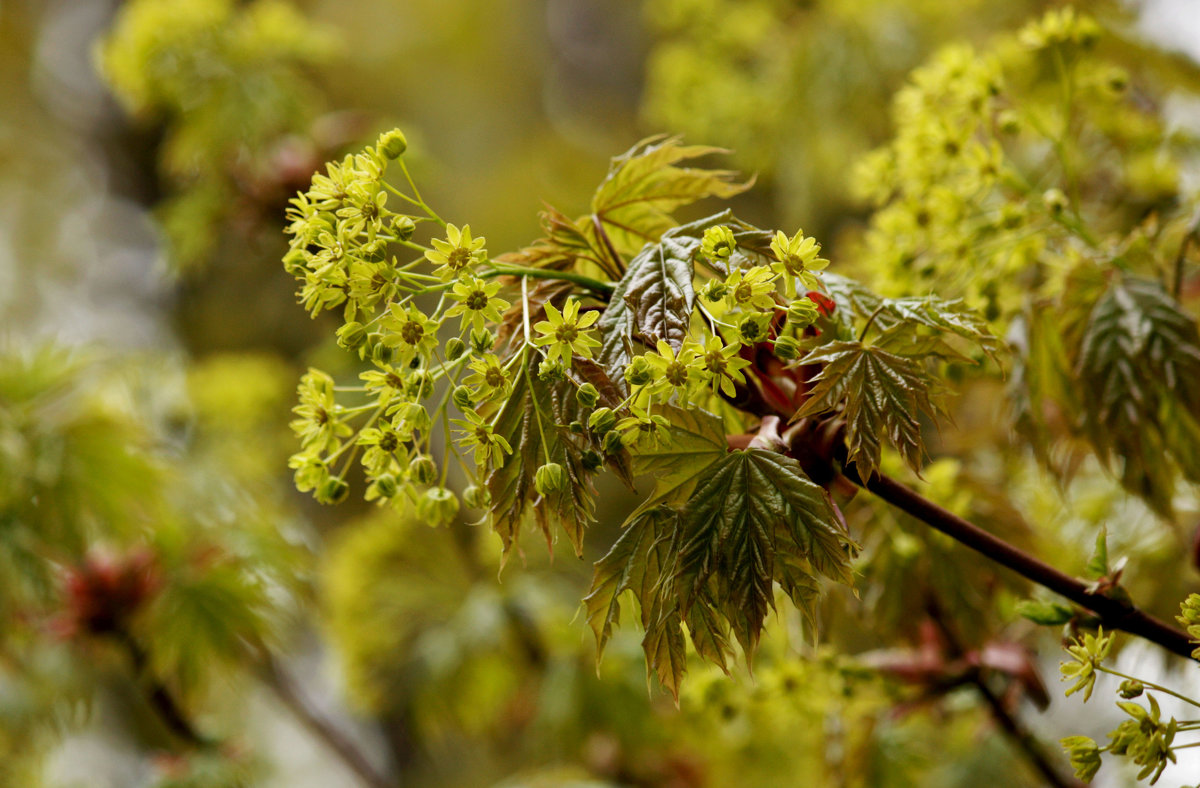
x=150, y=343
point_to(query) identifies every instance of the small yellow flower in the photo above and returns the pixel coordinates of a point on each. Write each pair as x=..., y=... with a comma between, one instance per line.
x=458, y=253
x=566, y=332
x=796, y=259
x=476, y=302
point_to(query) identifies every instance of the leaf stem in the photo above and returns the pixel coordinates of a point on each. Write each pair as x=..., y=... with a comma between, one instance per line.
x=604, y=289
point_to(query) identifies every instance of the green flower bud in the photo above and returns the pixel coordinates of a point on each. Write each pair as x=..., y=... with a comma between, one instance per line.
x=464, y=398
x=1054, y=200
x=352, y=335
x=477, y=497
x=422, y=470
x=592, y=460
x=713, y=291
x=455, y=347
x=587, y=396
x=550, y=478
x=552, y=370
x=753, y=328
x=803, y=312
x=380, y=353
x=1008, y=121
x=718, y=243
x=386, y=485
x=482, y=340
x=787, y=348
x=437, y=506
x=613, y=443
x=639, y=372
x=333, y=490
x=420, y=385
x=403, y=227
x=293, y=261
x=602, y=421
x=392, y=144
x=411, y=418
x=1131, y=688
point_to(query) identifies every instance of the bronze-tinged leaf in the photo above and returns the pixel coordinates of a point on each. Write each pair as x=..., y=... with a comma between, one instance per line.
x=564, y=247
x=880, y=395
x=635, y=563
x=634, y=202
x=531, y=421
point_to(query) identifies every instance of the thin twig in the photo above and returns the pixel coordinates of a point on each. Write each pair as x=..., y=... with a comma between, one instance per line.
x=285, y=687
x=171, y=713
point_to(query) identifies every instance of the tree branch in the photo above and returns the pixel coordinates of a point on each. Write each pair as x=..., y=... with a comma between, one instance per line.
x=284, y=687
x=1113, y=614
x=159, y=697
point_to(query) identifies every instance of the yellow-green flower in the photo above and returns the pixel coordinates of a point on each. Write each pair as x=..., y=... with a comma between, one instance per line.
x=724, y=366
x=718, y=243
x=1088, y=652
x=566, y=332
x=753, y=288
x=478, y=433
x=408, y=330
x=458, y=253
x=795, y=259
x=476, y=302
x=320, y=417
x=674, y=374
x=490, y=378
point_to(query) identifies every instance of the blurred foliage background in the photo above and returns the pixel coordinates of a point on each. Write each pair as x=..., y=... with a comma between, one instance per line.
x=172, y=613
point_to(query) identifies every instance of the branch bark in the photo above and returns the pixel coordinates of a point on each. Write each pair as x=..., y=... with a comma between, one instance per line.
x=1113, y=613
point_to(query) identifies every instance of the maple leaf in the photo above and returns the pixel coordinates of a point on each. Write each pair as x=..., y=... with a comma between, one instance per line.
x=750, y=505
x=1138, y=370
x=633, y=204
x=532, y=420
x=881, y=395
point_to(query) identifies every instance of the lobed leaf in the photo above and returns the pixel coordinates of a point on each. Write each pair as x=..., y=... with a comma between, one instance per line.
x=880, y=394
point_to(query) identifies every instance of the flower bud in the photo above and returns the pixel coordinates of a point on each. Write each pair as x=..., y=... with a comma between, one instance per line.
x=420, y=385
x=550, y=478
x=753, y=328
x=552, y=370
x=455, y=347
x=592, y=460
x=437, y=506
x=787, y=348
x=602, y=421
x=713, y=291
x=482, y=340
x=803, y=312
x=380, y=353
x=613, y=443
x=392, y=144
x=464, y=398
x=411, y=418
x=422, y=469
x=1131, y=688
x=1055, y=200
x=352, y=335
x=1008, y=121
x=639, y=372
x=333, y=490
x=386, y=485
x=718, y=243
x=403, y=227
x=587, y=396
x=477, y=497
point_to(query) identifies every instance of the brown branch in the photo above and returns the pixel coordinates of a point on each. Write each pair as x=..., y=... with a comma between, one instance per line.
x=159, y=697
x=1030, y=746
x=1112, y=613
x=285, y=688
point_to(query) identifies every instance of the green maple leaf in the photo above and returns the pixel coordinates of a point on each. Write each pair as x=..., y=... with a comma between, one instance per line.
x=532, y=420
x=749, y=506
x=881, y=395
x=634, y=202
x=695, y=440
x=1138, y=372
x=636, y=562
